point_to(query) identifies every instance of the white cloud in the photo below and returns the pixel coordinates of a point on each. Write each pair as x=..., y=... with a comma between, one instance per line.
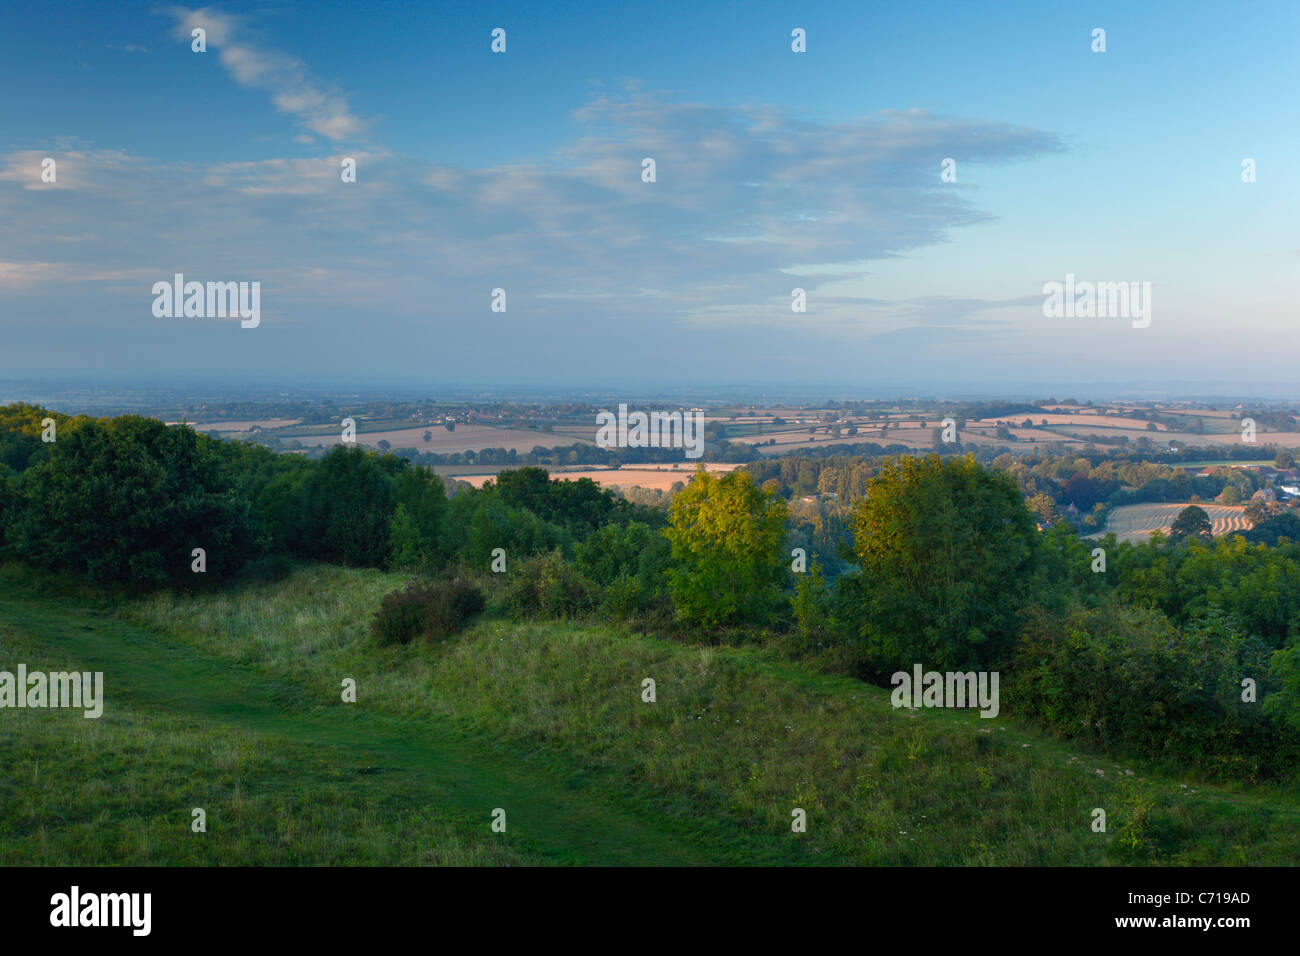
x=293, y=90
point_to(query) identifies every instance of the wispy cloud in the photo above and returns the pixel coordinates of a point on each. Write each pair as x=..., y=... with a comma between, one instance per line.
x=292, y=88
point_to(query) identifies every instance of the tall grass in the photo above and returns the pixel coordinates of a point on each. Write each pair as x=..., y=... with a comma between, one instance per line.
x=120, y=790
x=738, y=738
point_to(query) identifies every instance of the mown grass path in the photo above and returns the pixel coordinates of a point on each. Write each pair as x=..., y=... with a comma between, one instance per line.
x=430, y=765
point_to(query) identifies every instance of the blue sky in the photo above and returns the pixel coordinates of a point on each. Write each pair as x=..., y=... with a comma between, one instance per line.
x=774, y=170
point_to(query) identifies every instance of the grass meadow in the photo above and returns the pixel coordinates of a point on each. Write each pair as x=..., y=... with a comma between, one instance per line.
x=231, y=701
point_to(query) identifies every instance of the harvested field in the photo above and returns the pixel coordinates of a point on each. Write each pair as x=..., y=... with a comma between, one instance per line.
x=1088, y=421
x=1282, y=439
x=1136, y=522
x=791, y=439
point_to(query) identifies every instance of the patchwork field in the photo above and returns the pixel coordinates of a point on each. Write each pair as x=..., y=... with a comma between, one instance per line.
x=912, y=428
x=1137, y=522
x=464, y=438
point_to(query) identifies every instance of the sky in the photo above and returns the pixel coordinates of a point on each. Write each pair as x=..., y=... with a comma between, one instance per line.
x=522, y=170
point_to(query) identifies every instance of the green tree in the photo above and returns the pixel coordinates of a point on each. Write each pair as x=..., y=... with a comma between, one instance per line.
x=1192, y=522
x=417, y=525
x=407, y=545
x=727, y=537
x=947, y=553
x=1258, y=511
x=811, y=604
x=9, y=504
x=1284, y=670
x=633, y=549
x=478, y=522
x=1044, y=509
x=349, y=507
x=127, y=500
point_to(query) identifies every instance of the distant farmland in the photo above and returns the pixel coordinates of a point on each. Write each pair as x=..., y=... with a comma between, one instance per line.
x=1137, y=522
x=264, y=423
x=1091, y=421
x=655, y=478
x=464, y=438
x=788, y=430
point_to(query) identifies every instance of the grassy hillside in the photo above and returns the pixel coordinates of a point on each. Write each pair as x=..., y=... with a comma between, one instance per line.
x=231, y=701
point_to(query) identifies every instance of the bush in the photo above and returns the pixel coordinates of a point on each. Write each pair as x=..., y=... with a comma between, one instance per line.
x=548, y=586
x=478, y=523
x=431, y=611
x=811, y=604
x=622, y=598
x=1125, y=679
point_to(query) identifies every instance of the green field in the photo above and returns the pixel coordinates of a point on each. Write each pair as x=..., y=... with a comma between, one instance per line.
x=231, y=702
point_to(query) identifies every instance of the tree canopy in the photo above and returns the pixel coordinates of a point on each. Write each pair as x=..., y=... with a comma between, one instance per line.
x=946, y=550
x=1192, y=522
x=727, y=536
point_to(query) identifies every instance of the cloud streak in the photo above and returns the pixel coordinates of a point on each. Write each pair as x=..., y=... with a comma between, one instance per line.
x=292, y=88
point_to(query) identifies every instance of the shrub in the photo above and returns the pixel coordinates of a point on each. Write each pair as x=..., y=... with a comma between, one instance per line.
x=622, y=598
x=811, y=604
x=433, y=611
x=1125, y=679
x=548, y=586
x=478, y=523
